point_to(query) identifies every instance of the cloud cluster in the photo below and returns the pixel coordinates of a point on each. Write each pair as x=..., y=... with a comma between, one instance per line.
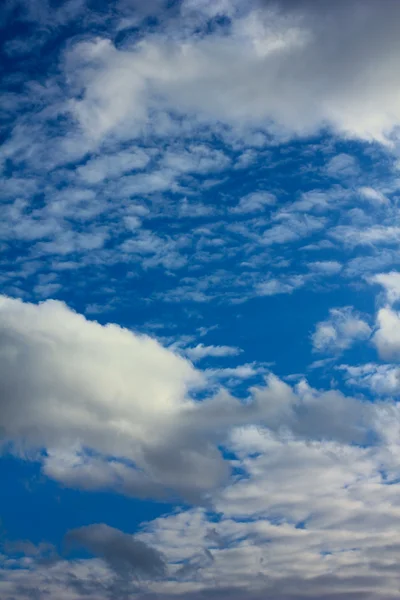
x=301, y=517
x=106, y=408
x=313, y=471
x=162, y=159
x=288, y=68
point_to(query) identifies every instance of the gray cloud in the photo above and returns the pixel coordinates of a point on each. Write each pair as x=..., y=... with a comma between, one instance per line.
x=124, y=554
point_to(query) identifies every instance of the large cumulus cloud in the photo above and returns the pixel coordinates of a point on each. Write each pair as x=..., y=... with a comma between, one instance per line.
x=69, y=385
x=103, y=407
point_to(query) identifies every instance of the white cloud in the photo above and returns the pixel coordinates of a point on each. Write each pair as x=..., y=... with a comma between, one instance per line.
x=179, y=145
x=321, y=201
x=373, y=196
x=367, y=236
x=312, y=508
x=110, y=166
x=46, y=290
x=254, y=202
x=383, y=380
x=195, y=159
x=292, y=228
x=391, y=284
x=245, y=159
x=122, y=395
x=302, y=411
x=201, y=351
x=342, y=166
x=387, y=335
x=194, y=209
x=321, y=245
x=288, y=491
x=158, y=180
x=240, y=372
x=327, y=267
x=284, y=285
x=280, y=70
x=153, y=250
x=100, y=387
x=304, y=519
x=377, y=260
x=70, y=241
x=310, y=505
x=343, y=328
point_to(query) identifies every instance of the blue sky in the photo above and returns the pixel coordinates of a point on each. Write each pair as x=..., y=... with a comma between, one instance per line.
x=200, y=286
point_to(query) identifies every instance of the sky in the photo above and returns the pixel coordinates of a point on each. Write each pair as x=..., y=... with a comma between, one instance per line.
x=200, y=300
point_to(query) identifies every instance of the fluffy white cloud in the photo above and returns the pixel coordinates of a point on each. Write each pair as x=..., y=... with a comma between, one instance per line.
x=387, y=335
x=383, y=380
x=340, y=331
x=68, y=384
x=287, y=67
x=391, y=284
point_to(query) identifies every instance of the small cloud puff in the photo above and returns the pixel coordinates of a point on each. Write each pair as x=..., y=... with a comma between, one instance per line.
x=343, y=328
x=254, y=202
